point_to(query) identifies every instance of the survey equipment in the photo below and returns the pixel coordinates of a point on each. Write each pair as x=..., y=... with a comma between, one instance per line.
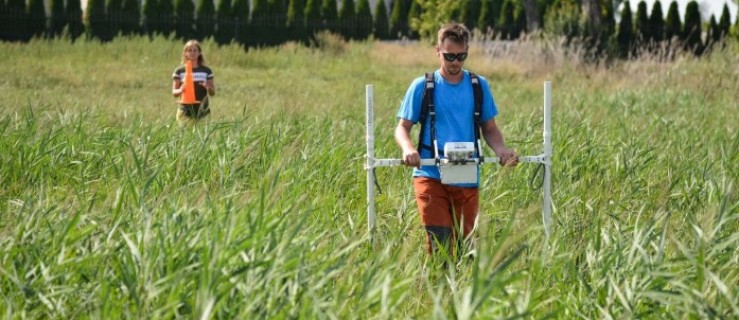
x=459, y=163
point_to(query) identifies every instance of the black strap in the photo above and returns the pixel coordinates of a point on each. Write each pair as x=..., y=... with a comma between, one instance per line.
x=427, y=104
x=428, y=108
x=477, y=91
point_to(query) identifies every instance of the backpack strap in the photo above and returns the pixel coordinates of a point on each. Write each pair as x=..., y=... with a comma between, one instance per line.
x=477, y=91
x=427, y=109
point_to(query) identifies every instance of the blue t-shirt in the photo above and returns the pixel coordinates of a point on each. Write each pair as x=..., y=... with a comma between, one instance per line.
x=454, y=104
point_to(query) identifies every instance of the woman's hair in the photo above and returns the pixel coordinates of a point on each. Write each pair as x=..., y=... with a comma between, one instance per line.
x=455, y=32
x=190, y=44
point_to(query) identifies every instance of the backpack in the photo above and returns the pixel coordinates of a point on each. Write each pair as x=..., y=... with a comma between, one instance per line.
x=428, y=109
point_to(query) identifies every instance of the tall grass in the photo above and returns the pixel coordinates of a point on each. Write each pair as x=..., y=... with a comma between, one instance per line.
x=110, y=210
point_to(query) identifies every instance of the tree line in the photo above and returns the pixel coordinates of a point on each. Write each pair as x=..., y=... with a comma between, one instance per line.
x=271, y=22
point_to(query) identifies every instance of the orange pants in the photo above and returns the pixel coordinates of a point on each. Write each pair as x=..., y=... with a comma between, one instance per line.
x=443, y=209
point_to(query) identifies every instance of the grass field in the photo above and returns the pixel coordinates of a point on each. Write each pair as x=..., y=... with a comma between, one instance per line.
x=109, y=210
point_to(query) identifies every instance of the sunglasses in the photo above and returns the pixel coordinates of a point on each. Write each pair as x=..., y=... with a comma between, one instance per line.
x=451, y=56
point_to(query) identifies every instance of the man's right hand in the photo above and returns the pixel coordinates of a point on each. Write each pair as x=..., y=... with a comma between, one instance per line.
x=411, y=158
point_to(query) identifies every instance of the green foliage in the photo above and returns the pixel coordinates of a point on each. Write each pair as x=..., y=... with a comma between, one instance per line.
x=57, y=19
x=625, y=36
x=150, y=24
x=98, y=26
x=205, y=19
x=114, y=9
x=17, y=20
x=692, y=30
x=643, y=30
x=296, y=21
x=185, y=19
x=725, y=21
x=347, y=19
x=262, y=24
x=434, y=14
x=469, y=13
x=278, y=14
x=364, y=19
x=36, y=18
x=398, y=20
x=330, y=16
x=131, y=17
x=313, y=22
x=713, y=38
x=167, y=17
x=487, y=20
x=657, y=23
x=608, y=21
x=225, y=23
x=563, y=19
x=507, y=21
x=414, y=14
x=74, y=19
x=381, y=23
x=241, y=20
x=673, y=23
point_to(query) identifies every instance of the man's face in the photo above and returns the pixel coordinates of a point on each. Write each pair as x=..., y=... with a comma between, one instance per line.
x=450, y=50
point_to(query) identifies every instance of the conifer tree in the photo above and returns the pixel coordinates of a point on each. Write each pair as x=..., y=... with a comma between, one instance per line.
x=57, y=21
x=398, y=21
x=725, y=21
x=507, y=20
x=296, y=20
x=17, y=23
x=347, y=19
x=414, y=14
x=205, y=19
x=277, y=16
x=469, y=13
x=381, y=26
x=519, y=16
x=625, y=31
x=150, y=18
x=608, y=22
x=497, y=12
x=641, y=24
x=714, y=33
x=224, y=24
x=73, y=16
x=185, y=19
x=97, y=20
x=36, y=18
x=131, y=17
x=312, y=15
x=364, y=19
x=330, y=15
x=4, y=20
x=240, y=11
x=115, y=17
x=487, y=19
x=673, y=25
x=167, y=17
x=656, y=23
x=692, y=30
x=260, y=23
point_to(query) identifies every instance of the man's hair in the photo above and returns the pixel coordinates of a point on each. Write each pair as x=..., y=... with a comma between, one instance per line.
x=455, y=32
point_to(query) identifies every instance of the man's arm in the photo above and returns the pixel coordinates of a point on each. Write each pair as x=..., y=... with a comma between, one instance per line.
x=494, y=139
x=411, y=157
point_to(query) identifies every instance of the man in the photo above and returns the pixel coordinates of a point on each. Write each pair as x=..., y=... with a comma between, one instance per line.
x=444, y=209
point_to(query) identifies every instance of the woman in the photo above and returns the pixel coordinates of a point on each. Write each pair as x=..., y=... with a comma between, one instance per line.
x=202, y=80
